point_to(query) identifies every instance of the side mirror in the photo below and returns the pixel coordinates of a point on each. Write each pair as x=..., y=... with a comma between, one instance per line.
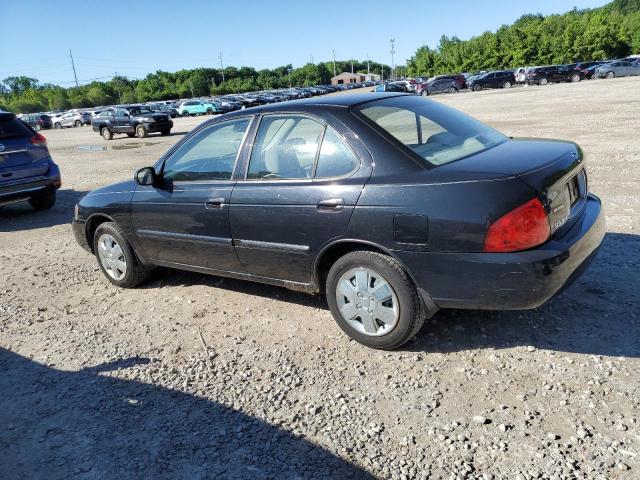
x=146, y=176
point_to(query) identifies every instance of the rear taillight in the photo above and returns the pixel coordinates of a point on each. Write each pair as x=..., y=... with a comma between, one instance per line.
x=38, y=139
x=524, y=227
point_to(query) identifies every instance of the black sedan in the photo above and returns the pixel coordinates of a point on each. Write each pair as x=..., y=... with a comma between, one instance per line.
x=391, y=204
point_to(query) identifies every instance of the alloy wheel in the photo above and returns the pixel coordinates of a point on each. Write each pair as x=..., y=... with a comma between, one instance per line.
x=112, y=257
x=367, y=301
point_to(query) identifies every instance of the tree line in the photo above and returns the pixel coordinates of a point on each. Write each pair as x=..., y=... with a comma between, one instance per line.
x=608, y=32
x=26, y=94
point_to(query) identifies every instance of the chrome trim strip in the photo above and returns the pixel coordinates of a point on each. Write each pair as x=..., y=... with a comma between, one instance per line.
x=184, y=237
x=280, y=247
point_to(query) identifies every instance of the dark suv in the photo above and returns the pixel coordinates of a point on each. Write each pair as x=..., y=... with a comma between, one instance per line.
x=500, y=79
x=37, y=121
x=27, y=171
x=553, y=74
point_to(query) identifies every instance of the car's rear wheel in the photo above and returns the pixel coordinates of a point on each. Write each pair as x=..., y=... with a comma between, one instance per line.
x=57, y=125
x=106, y=133
x=43, y=201
x=506, y=84
x=611, y=75
x=141, y=131
x=209, y=111
x=575, y=78
x=373, y=300
x=543, y=81
x=77, y=123
x=116, y=257
x=477, y=88
x=165, y=132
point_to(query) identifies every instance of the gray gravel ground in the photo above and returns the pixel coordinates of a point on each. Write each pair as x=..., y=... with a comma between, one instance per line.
x=99, y=383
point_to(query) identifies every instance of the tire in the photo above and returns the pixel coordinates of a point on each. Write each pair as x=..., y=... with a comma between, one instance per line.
x=77, y=123
x=57, y=125
x=452, y=90
x=186, y=114
x=166, y=132
x=403, y=302
x=477, y=88
x=506, y=84
x=425, y=93
x=111, y=265
x=43, y=201
x=209, y=111
x=141, y=131
x=106, y=133
x=611, y=75
x=575, y=78
x=543, y=81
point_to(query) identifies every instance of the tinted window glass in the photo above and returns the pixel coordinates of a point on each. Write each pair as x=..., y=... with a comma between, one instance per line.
x=437, y=133
x=208, y=155
x=285, y=147
x=335, y=159
x=11, y=127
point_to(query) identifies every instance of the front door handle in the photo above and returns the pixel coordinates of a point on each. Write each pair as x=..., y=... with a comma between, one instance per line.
x=331, y=204
x=214, y=203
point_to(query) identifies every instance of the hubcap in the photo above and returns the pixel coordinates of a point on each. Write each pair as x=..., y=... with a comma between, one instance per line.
x=112, y=257
x=367, y=302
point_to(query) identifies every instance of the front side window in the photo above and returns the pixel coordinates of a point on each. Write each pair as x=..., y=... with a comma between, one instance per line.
x=209, y=155
x=285, y=148
x=436, y=133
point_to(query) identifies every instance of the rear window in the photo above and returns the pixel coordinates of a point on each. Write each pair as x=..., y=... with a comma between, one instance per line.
x=436, y=133
x=11, y=127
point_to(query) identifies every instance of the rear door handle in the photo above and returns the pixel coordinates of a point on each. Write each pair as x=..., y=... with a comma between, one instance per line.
x=214, y=203
x=331, y=204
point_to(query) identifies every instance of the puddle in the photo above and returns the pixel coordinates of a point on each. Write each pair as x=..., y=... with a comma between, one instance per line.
x=120, y=146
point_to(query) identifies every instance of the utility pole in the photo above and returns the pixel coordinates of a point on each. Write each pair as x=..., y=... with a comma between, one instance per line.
x=74, y=67
x=117, y=79
x=221, y=65
x=334, y=62
x=191, y=85
x=393, y=51
x=368, y=71
x=351, y=66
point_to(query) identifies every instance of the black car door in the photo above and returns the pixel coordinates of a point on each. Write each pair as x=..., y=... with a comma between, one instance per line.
x=491, y=80
x=122, y=122
x=302, y=183
x=185, y=220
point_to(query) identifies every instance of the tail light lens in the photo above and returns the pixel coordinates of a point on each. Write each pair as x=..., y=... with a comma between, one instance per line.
x=524, y=227
x=38, y=139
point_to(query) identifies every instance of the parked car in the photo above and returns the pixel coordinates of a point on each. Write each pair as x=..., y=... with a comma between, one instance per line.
x=69, y=119
x=390, y=87
x=392, y=205
x=37, y=121
x=169, y=109
x=620, y=68
x=133, y=120
x=437, y=86
x=27, y=171
x=500, y=79
x=520, y=75
x=197, y=107
x=461, y=81
x=553, y=74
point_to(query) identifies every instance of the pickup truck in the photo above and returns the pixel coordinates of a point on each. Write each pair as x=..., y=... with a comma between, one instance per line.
x=135, y=121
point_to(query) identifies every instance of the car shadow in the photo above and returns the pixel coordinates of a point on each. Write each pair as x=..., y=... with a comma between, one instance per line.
x=21, y=216
x=598, y=314
x=89, y=424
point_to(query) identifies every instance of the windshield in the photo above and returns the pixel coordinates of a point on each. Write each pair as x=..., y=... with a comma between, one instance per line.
x=139, y=110
x=436, y=133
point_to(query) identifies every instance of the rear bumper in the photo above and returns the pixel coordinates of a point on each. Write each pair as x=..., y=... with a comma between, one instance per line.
x=25, y=188
x=509, y=281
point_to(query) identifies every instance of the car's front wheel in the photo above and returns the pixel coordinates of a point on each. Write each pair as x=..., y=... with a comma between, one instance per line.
x=57, y=125
x=43, y=201
x=165, y=132
x=477, y=88
x=575, y=78
x=106, y=133
x=611, y=75
x=141, y=131
x=506, y=84
x=116, y=258
x=373, y=300
x=425, y=93
x=77, y=123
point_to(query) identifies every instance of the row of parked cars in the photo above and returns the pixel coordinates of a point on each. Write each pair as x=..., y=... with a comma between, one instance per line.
x=542, y=75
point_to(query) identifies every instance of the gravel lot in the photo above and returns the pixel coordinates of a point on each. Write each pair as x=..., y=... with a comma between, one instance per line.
x=202, y=377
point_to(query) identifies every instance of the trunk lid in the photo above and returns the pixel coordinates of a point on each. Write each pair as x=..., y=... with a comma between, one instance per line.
x=553, y=168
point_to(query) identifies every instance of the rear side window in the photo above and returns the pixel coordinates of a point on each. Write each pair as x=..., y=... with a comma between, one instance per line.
x=335, y=159
x=11, y=127
x=285, y=148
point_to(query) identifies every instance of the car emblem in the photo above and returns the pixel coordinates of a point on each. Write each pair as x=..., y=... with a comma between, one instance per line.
x=1, y=147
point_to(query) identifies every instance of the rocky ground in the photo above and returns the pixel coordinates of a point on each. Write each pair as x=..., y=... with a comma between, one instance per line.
x=202, y=377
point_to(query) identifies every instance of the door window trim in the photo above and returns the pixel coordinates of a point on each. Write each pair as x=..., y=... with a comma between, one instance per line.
x=244, y=180
x=171, y=152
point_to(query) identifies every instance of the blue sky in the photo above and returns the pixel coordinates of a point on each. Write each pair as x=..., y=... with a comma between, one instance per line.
x=134, y=38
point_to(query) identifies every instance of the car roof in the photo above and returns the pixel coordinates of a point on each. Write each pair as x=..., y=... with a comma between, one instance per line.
x=342, y=100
